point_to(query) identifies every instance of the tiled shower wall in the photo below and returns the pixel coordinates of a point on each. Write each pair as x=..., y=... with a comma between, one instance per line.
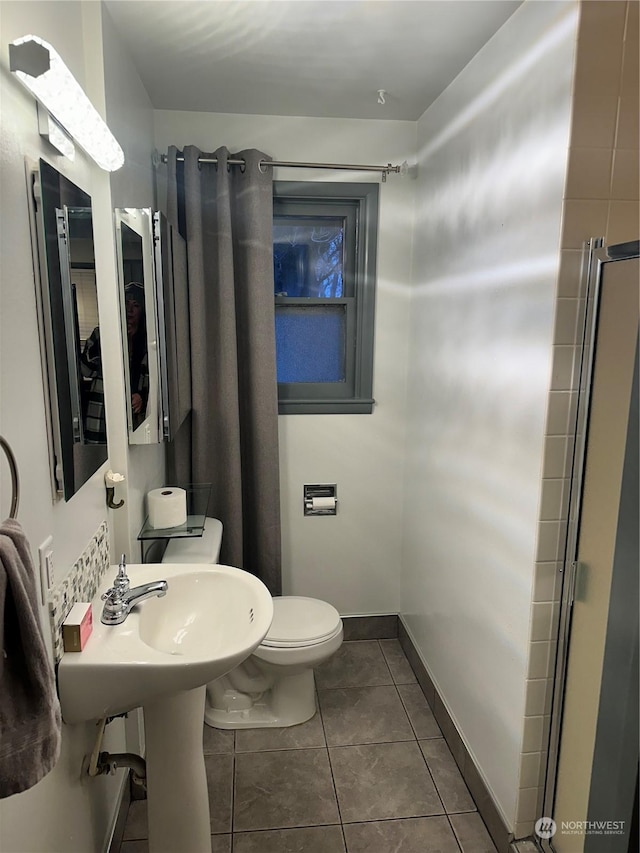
x=600, y=200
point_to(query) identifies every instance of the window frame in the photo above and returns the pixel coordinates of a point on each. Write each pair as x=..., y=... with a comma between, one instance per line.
x=355, y=395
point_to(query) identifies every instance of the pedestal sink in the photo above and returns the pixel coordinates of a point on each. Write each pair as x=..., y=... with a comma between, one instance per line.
x=211, y=618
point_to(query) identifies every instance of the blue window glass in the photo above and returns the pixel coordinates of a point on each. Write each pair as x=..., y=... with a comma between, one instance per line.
x=308, y=257
x=310, y=343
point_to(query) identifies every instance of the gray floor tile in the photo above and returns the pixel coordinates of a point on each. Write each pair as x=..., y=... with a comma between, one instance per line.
x=217, y=740
x=397, y=662
x=384, y=780
x=221, y=844
x=449, y=782
x=304, y=736
x=136, y=824
x=310, y=839
x=471, y=833
x=135, y=846
x=414, y=835
x=284, y=801
x=289, y=788
x=220, y=783
x=357, y=664
x=353, y=715
x=420, y=714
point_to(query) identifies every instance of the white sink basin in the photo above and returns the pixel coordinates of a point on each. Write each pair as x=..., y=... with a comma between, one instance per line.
x=211, y=618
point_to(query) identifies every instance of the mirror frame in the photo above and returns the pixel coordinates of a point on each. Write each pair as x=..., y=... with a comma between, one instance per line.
x=172, y=289
x=51, y=196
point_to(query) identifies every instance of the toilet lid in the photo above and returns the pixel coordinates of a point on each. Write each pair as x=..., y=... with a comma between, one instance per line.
x=299, y=621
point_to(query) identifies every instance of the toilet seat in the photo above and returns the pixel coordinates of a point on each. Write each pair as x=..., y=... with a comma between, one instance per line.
x=299, y=622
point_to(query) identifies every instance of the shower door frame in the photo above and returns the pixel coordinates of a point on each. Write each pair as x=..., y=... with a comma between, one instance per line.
x=596, y=255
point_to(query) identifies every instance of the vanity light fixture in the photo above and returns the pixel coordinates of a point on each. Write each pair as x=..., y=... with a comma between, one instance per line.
x=51, y=130
x=40, y=68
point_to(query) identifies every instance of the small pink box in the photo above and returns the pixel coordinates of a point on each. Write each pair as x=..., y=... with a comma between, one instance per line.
x=77, y=627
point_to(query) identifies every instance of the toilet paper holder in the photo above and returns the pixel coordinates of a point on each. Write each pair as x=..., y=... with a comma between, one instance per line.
x=320, y=499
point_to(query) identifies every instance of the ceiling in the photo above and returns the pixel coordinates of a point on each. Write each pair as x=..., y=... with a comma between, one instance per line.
x=304, y=57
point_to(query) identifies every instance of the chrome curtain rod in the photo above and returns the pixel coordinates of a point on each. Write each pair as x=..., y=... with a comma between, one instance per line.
x=263, y=164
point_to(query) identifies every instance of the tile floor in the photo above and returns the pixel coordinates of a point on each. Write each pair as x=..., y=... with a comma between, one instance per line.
x=370, y=772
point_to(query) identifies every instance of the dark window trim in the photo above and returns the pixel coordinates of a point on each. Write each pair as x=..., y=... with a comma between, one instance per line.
x=357, y=396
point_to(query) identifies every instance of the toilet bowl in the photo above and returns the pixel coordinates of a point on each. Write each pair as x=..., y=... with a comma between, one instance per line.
x=275, y=685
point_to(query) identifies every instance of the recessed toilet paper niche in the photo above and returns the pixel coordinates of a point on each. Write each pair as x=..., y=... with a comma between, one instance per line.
x=320, y=499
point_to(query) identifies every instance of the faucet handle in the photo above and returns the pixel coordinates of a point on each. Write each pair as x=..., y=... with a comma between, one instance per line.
x=112, y=594
x=114, y=602
x=121, y=582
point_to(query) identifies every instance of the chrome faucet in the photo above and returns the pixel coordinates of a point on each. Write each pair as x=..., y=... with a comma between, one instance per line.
x=121, y=597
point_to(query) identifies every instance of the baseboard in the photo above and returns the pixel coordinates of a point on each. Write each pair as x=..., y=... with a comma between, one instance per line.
x=500, y=833
x=370, y=627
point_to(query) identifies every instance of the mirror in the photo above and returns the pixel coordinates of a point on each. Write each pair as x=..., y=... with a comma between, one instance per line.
x=154, y=302
x=134, y=240
x=70, y=328
x=173, y=313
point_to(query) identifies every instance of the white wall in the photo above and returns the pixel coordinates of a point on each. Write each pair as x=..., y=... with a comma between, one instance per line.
x=65, y=812
x=492, y=162
x=130, y=117
x=353, y=559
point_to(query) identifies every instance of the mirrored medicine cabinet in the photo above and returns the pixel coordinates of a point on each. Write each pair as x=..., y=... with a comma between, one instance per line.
x=68, y=317
x=154, y=312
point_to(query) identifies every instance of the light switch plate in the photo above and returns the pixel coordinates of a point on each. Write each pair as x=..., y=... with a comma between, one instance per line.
x=45, y=555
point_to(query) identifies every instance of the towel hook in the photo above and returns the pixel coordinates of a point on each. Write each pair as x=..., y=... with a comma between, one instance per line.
x=15, y=479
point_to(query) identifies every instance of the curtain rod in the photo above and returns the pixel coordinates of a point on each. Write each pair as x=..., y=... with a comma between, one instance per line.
x=262, y=164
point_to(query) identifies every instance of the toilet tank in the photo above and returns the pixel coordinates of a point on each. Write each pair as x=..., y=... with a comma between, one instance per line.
x=197, y=549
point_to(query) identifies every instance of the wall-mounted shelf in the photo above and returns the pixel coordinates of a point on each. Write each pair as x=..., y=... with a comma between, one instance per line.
x=198, y=495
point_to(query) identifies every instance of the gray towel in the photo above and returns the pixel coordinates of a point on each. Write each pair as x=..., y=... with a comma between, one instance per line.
x=30, y=723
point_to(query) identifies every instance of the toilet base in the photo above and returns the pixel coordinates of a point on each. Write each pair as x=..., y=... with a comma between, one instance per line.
x=290, y=702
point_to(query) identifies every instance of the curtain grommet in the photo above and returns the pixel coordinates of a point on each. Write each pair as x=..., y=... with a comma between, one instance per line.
x=262, y=166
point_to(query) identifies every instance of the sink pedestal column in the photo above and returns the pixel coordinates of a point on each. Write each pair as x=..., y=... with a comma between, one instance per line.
x=178, y=800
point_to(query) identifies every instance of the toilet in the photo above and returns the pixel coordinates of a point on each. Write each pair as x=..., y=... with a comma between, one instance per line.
x=275, y=685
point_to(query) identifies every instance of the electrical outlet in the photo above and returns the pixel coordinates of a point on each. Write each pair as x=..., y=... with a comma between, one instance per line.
x=45, y=554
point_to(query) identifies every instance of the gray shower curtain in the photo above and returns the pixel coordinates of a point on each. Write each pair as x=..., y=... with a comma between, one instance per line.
x=226, y=214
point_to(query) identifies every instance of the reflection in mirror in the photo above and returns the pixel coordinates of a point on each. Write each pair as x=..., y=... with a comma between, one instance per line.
x=86, y=324
x=154, y=299
x=137, y=350
x=134, y=240
x=133, y=278
x=70, y=328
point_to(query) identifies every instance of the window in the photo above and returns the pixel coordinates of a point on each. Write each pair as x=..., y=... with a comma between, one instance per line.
x=324, y=259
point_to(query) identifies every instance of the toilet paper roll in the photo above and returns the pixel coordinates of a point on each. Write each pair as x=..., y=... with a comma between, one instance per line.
x=323, y=503
x=167, y=507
